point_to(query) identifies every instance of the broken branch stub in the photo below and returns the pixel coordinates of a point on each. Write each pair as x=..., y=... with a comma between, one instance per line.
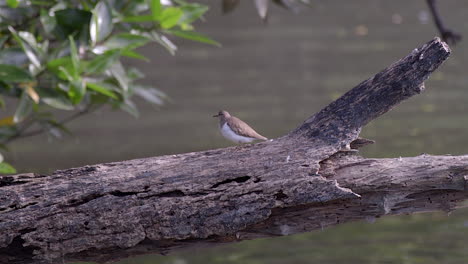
x=113, y=210
x=342, y=120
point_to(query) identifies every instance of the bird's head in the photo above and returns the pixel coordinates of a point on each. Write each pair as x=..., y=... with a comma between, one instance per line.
x=222, y=113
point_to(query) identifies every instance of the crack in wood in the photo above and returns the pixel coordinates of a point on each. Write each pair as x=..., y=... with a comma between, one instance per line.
x=240, y=179
x=123, y=194
x=280, y=195
x=83, y=200
x=8, y=180
x=175, y=193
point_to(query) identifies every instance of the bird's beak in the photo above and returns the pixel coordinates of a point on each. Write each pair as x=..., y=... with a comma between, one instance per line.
x=216, y=115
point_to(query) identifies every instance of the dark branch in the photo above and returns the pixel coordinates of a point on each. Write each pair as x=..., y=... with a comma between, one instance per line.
x=375, y=96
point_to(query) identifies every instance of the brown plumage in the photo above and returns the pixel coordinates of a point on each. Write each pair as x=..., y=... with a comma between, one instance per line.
x=239, y=127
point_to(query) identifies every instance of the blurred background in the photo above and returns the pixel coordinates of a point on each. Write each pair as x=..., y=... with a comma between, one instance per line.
x=274, y=76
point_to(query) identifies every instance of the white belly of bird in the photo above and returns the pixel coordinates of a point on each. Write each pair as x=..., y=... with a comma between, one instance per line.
x=227, y=132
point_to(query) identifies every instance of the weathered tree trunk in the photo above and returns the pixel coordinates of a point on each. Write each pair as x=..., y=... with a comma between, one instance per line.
x=302, y=181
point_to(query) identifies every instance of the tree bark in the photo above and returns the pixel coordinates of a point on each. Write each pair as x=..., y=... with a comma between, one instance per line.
x=305, y=180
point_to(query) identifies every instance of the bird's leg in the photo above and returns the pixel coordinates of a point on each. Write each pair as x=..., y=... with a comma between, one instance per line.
x=447, y=35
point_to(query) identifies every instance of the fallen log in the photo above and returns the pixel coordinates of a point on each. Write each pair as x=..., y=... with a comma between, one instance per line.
x=308, y=179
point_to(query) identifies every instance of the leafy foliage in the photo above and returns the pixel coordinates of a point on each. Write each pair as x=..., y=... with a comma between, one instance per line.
x=66, y=55
x=262, y=6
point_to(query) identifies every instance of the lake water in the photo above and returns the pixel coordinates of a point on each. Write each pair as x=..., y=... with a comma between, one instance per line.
x=274, y=76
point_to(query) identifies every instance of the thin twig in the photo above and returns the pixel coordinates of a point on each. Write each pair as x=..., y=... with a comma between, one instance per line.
x=23, y=134
x=447, y=34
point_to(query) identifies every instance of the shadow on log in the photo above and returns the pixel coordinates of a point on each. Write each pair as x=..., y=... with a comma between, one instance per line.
x=307, y=179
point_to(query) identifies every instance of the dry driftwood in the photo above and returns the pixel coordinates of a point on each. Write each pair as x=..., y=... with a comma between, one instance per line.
x=296, y=183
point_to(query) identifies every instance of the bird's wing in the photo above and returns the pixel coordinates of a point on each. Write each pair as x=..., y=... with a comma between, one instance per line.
x=241, y=128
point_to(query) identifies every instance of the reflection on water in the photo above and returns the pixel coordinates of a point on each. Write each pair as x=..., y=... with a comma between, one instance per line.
x=428, y=239
x=274, y=77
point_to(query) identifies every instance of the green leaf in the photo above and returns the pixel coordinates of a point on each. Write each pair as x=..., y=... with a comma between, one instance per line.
x=71, y=20
x=77, y=91
x=192, y=35
x=262, y=8
x=134, y=54
x=58, y=102
x=30, y=39
x=66, y=73
x=125, y=40
x=13, y=3
x=76, y=87
x=99, y=99
x=34, y=50
x=55, y=66
x=101, y=22
x=170, y=17
x=134, y=74
x=118, y=71
x=129, y=107
x=64, y=62
x=6, y=168
x=61, y=49
x=48, y=22
x=156, y=8
x=100, y=88
x=75, y=59
x=192, y=12
x=132, y=7
x=102, y=62
x=137, y=19
x=165, y=42
x=24, y=109
x=151, y=95
x=86, y=5
x=10, y=73
x=26, y=48
x=29, y=89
